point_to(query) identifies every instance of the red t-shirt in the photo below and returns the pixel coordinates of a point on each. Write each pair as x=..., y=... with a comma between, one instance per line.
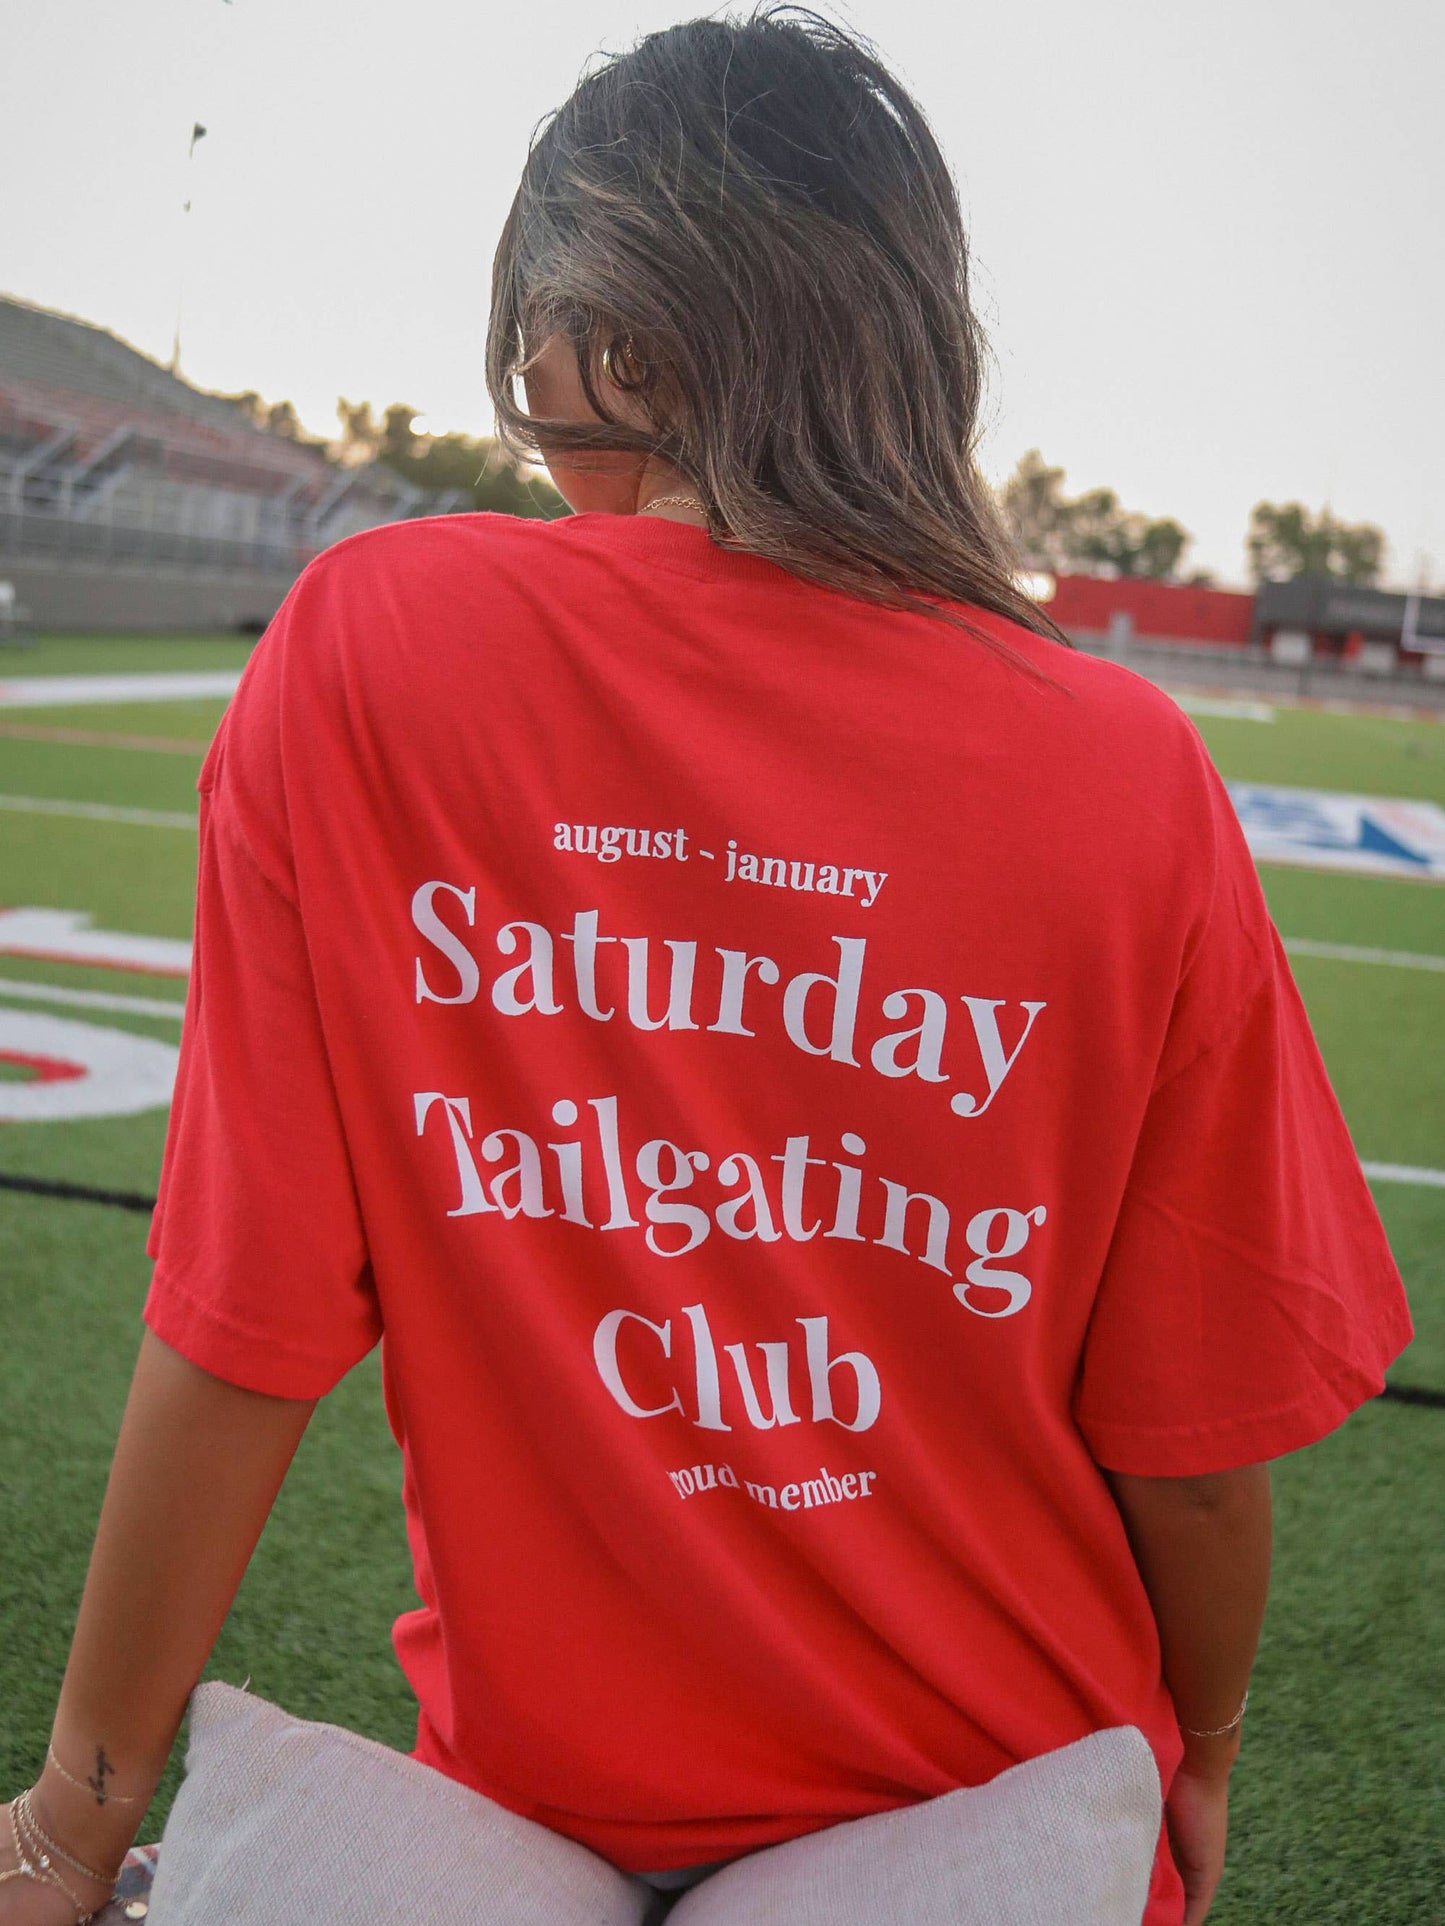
x=798, y=1092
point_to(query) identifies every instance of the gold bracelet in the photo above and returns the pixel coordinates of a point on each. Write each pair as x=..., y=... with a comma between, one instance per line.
x=39, y=1868
x=95, y=1786
x=1218, y=1731
x=27, y=1815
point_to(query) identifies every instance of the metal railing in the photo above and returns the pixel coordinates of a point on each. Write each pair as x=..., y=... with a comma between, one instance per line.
x=41, y=536
x=1250, y=671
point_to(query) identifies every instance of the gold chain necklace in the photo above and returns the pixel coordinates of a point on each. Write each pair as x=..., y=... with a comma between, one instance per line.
x=672, y=501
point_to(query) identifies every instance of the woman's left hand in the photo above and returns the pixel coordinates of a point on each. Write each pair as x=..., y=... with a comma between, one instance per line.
x=37, y=1902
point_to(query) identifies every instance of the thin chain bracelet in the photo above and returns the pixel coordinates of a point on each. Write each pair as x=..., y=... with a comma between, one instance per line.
x=40, y=1869
x=1218, y=1731
x=32, y=1824
x=97, y=1792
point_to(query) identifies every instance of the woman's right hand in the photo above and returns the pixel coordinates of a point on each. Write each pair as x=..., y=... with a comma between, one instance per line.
x=1197, y=1813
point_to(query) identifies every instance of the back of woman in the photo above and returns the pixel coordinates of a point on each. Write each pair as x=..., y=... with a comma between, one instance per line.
x=799, y=1093
x=794, y=1061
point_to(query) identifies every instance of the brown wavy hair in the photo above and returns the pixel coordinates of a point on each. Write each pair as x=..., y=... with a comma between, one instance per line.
x=755, y=217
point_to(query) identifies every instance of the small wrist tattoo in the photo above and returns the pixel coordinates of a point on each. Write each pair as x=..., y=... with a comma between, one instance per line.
x=97, y=1779
x=96, y=1783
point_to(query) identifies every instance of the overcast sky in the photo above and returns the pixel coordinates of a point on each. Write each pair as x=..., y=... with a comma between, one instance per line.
x=1209, y=235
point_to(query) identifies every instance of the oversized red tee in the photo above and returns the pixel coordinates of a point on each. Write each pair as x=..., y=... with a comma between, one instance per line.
x=798, y=1088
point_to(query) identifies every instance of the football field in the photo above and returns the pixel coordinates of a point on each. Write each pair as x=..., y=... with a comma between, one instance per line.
x=1337, y=1813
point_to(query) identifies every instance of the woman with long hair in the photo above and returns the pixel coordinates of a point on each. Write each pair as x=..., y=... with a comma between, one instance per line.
x=792, y=1060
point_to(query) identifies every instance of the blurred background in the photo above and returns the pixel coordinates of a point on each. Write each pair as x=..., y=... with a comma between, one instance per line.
x=245, y=249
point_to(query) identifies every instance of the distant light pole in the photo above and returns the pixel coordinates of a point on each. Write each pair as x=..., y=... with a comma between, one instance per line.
x=197, y=133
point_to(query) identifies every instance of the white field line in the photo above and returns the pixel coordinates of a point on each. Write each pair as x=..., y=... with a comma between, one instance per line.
x=1404, y=1174
x=1233, y=707
x=91, y=999
x=68, y=691
x=100, y=812
x=1351, y=953
x=100, y=739
x=1330, y=705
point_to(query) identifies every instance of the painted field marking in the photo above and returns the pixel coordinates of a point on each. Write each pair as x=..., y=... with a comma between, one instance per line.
x=75, y=691
x=99, y=739
x=154, y=1006
x=1319, y=829
x=82, y=1070
x=1352, y=953
x=100, y=812
x=66, y=936
x=1233, y=708
x=1330, y=705
x=1404, y=1174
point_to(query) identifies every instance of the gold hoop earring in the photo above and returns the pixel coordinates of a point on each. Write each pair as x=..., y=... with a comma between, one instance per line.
x=610, y=364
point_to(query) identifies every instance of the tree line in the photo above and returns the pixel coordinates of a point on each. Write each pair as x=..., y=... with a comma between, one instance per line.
x=1054, y=532
x=1094, y=534
x=475, y=467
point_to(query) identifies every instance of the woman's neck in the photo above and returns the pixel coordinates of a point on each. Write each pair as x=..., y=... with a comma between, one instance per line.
x=665, y=495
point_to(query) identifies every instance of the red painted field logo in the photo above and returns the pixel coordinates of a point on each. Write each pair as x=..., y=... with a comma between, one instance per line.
x=81, y=1070
x=42, y=1069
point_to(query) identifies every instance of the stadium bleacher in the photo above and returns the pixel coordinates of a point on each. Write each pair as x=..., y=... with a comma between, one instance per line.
x=128, y=498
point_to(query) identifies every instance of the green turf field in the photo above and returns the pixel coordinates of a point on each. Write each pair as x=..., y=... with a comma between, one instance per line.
x=1337, y=1800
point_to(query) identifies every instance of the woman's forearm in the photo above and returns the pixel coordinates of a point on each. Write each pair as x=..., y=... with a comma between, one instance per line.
x=196, y=1470
x=1202, y=1546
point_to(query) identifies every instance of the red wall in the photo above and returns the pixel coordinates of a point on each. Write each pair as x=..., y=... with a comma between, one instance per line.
x=1158, y=608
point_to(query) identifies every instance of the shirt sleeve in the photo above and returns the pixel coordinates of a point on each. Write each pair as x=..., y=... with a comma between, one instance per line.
x=261, y=1273
x=1249, y=1301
